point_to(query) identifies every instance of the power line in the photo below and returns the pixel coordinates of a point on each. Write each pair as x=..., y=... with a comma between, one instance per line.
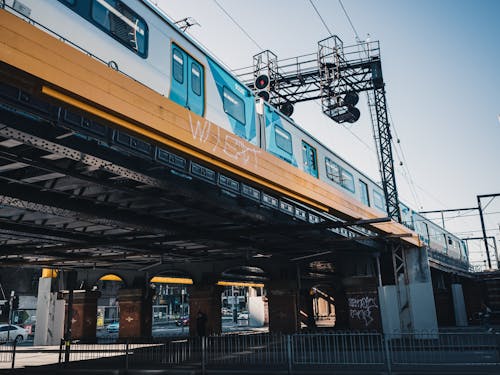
x=349, y=19
x=321, y=18
x=406, y=174
x=411, y=182
x=239, y=26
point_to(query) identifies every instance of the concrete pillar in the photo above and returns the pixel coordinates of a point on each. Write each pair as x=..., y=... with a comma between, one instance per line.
x=389, y=310
x=256, y=308
x=283, y=298
x=136, y=309
x=49, y=314
x=419, y=290
x=84, y=319
x=459, y=305
x=206, y=299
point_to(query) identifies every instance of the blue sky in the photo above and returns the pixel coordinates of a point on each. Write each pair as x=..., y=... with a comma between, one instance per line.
x=441, y=65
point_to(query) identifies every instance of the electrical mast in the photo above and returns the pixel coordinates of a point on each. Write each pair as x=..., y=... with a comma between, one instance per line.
x=336, y=74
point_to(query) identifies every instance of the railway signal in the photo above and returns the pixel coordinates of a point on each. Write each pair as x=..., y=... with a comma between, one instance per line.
x=344, y=110
x=263, y=86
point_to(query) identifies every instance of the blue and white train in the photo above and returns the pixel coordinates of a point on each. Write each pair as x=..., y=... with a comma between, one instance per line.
x=142, y=42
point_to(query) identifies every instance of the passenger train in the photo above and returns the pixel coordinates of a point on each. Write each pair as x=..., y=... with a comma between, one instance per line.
x=137, y=38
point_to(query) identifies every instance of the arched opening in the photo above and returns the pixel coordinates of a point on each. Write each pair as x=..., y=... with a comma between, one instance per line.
x=323, y=300
x=243, y=300
x=108, y=310
x=170, y=304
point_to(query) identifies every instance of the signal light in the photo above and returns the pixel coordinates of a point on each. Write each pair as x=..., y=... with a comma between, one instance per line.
x=351, y=99
x=262, y=85
x=287, y=109
x=264, y=95
x=262, y=82
x=345, y=110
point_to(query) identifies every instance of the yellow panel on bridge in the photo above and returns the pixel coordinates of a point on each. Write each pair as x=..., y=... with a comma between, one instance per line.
x=71, y=76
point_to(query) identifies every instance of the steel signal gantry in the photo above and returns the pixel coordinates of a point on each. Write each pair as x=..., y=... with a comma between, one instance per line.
x=332, y=75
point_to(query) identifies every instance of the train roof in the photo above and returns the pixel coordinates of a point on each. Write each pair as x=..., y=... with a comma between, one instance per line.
x=166, y=18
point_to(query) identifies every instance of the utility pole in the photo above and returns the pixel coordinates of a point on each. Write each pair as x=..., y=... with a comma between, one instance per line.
x=487, y=238
x=482, y=224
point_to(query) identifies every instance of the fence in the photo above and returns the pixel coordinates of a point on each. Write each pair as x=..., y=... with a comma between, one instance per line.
x=286, y=352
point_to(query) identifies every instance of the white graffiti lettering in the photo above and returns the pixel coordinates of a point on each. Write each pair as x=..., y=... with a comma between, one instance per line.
x=238, y=150
x=200, y=131
x=233, y=146
x=361, y=308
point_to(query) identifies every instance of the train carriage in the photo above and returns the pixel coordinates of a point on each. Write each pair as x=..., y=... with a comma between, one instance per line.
x=137, y=38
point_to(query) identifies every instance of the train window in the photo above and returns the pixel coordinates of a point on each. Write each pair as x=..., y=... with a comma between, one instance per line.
x=178, y=65
x=309, y=159
x=196, y=78
x=363, y=189
x=346, y=179
x=122, y=23
x=233, y=105
x=283, y=139
x=69, y=2
x=332, y=171
x=378, y=200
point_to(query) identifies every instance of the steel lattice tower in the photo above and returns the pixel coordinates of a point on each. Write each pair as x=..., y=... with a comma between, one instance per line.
x=328, y=75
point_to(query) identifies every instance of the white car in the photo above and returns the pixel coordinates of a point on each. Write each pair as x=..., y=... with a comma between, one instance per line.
x=243, y=316
x=13, y=332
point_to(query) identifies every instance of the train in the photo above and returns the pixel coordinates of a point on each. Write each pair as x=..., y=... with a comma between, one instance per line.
x=138, y=39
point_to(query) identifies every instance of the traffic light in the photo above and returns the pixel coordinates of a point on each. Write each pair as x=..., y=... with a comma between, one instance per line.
x=344, y=110
x=263, y=85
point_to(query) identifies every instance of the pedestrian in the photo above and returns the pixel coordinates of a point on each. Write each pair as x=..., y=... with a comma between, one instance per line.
x=201, y=322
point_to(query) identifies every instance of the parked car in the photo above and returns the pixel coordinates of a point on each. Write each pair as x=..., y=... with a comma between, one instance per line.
x=13, y=332
x=113, y=327
x=243, y=315
x=183, y=322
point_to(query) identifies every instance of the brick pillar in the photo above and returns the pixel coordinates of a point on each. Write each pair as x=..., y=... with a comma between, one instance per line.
x=208, y=300
x=444, y=307
x=84, y=320
x=363, y=303
x=135, y=312
x=283, y=308
x=306, y=311
x=474, y=294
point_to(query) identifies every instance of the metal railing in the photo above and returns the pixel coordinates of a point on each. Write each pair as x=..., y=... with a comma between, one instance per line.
x=283, y=352
x=444, y=348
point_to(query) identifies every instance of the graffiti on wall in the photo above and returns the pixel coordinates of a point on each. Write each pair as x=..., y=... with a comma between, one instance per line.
x=362, y=308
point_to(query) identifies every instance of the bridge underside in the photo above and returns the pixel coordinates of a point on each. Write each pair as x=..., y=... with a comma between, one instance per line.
x=77, y=193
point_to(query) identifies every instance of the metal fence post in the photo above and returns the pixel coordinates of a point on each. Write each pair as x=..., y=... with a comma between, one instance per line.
x=387, y=354
x=14, y=353
x=126, y=354
x=203, y=354
x=61, y=350
x=289, y=359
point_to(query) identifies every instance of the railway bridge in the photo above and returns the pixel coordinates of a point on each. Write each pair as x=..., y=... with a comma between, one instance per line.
x=99, y=175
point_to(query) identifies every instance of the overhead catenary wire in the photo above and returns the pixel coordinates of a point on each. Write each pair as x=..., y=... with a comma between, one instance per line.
x=405, y=173
x=349, y=19
x=320, y=17
x=238, y=25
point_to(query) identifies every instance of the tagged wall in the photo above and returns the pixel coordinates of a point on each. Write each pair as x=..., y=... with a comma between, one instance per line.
x=364, y=310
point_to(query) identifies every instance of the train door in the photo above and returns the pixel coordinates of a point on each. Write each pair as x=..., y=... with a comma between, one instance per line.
x=178, y=88
x=187, y=87
x=196, y=94
x=309, y=159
